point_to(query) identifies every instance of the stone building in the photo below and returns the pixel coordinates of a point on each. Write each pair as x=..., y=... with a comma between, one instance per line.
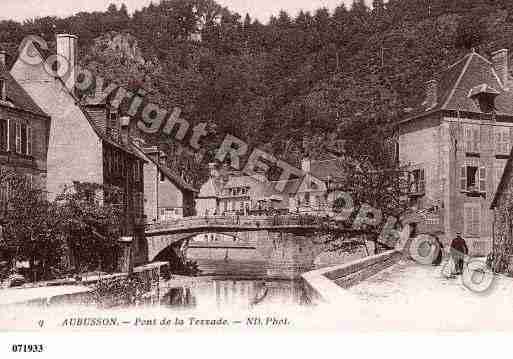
x=231, y=192
x=502, y=206
x=24, y=128
x=167, y=196
x=88, y=141
x=456, y=144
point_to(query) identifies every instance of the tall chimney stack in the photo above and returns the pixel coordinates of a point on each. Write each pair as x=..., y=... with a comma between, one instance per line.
x=500, y=64
x=67, y=48
x=431, y=93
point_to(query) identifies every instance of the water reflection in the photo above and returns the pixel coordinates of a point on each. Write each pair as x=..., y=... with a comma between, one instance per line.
x=228, y=293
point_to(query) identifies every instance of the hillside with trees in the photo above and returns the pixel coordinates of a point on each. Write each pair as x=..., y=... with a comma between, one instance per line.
x=294, y=85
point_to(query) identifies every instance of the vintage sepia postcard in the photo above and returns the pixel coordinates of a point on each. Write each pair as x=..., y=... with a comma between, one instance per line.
x=205, y=165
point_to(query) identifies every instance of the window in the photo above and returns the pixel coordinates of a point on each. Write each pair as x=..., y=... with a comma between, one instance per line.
x=112, y=122
x=23, y=139
x=418, y=181
x=502, y=141
x=471, y=138
x=471, y=220
x=136, y=171
x=3, y=136
x=473, y=178
x=29, y=141
x=3, y=95
x=307, y=198
x=17, y=129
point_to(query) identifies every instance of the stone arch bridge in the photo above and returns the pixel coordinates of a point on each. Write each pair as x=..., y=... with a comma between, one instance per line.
x=289, y=243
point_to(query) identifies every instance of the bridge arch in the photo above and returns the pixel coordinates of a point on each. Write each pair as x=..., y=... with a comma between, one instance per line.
x=178, y=243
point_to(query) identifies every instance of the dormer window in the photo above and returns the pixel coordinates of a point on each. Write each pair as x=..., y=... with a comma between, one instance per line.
x=484, y=97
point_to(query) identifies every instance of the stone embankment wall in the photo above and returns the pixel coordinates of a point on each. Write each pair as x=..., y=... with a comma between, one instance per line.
x=329, y=284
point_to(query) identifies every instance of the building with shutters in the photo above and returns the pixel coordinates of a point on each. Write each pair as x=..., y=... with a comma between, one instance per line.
x=24, y=128
x=87, y=141
x=456, y=144
x=167, y=195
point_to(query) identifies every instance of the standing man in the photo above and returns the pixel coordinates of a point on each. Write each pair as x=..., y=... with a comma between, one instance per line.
x=459, y=250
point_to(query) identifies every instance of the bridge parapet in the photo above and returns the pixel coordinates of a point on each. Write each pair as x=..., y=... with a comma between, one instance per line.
x=253, y=222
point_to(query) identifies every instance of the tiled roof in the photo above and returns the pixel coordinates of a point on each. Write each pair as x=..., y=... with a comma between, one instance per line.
x=90, y=116
x=290, y=187
x=17, y=95
x=327, y=168
x=100, y=132
x=170, y=174
x=459, y=81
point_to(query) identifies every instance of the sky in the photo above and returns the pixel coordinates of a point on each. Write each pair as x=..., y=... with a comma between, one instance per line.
x=261, y=9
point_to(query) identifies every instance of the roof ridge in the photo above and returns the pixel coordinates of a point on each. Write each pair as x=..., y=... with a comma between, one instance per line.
x=453, y=89
x=185, y=185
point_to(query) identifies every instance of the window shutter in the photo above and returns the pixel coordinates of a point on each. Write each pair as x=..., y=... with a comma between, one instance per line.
x=463, y=178
x=422, y=181
x=8, y=132
x=29, y=140
x=475, y=141
x=482, y=179
x=17, y=137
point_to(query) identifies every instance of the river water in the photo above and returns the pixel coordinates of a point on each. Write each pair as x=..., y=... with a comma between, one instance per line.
x=235, y=285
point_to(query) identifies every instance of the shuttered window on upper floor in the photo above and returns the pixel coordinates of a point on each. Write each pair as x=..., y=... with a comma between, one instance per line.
x=502, y=140
x=23, y=139
x=473, y=178
x=471, y=138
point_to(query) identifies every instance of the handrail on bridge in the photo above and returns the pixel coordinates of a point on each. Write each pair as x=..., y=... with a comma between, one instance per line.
x=235, y=220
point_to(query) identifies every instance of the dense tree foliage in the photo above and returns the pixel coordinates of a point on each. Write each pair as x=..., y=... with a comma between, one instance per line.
x=78, y=226
x=296, y=80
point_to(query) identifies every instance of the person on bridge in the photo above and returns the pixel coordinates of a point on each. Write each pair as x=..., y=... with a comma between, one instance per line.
x=459, y=250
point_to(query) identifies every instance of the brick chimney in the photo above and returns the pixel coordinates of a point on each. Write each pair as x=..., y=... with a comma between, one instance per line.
x=431, y=93
x=500, y=64
x=125, y=129
x=67, y=48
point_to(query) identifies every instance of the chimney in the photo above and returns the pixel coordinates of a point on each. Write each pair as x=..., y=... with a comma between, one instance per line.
x=67, y=48
x=431, y=93
x=125, y=129
x=305, y=165
x=212, y=170
x=500, y=64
